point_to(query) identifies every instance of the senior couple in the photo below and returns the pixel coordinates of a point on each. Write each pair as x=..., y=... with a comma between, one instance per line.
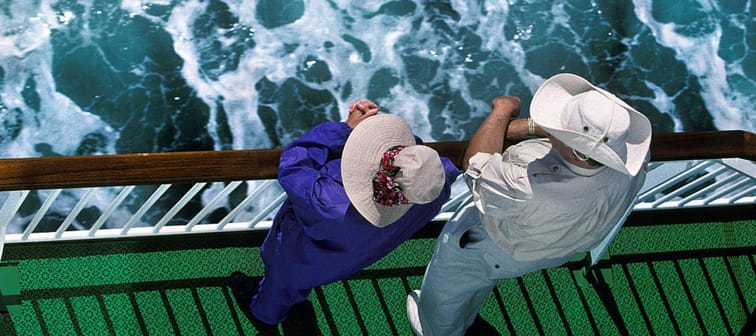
x=358, y=189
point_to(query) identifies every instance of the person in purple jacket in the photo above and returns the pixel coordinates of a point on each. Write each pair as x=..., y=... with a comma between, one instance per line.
x=355, y=191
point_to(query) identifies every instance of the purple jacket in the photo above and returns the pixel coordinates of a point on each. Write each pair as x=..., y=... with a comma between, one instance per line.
x=317, y=237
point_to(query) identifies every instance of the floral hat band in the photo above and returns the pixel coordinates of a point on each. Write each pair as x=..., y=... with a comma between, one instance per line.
x=386, y=191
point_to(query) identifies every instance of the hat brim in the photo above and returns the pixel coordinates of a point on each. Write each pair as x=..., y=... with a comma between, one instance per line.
x=360, y=160
x=550, y=100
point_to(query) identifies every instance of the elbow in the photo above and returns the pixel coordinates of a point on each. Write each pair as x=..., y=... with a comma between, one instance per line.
x=466, y=159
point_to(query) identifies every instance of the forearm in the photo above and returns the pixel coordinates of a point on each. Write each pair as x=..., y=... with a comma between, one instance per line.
x=489, y=138
x=518, y=130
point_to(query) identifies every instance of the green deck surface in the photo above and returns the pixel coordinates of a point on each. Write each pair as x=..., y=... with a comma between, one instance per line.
x=676, y=279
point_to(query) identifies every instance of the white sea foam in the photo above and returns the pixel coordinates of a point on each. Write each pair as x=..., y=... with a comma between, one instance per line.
x=320, y=24
x=664, y=103
x=26, y=53
x=700, y=55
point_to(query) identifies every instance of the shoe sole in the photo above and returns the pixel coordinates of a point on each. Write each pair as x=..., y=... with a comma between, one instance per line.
x=412, y=298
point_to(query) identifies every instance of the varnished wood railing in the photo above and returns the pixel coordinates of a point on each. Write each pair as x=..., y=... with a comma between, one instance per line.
x=213, y=166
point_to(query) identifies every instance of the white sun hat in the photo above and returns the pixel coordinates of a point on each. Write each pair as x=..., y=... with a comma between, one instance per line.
x=385, y=172
x=593, y=122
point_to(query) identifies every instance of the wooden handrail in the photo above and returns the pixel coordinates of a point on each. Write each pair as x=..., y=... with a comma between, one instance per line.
x=228, y=165
x=703, y=145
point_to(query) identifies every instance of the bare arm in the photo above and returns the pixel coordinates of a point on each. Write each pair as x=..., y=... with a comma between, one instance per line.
x=489, y=138
x=518, y=130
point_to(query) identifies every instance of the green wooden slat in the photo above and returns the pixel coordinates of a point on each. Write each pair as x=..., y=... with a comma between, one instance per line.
x=89, y=317
x=155, y=313
x=217, y=311
x=122, y=314
x=185, y=291
x=56, y=317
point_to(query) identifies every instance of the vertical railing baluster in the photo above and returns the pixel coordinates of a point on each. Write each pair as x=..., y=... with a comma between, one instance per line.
x=723, y=182
x=243, y=205
x=747, y=191
x=674, y=180
x=41, y=213
x=8, y=212
x=74, y=213
x=267, y=210
x=178, y=206
x=110, y=209
x=211, y=205
x=146, y=206
x=689, y=185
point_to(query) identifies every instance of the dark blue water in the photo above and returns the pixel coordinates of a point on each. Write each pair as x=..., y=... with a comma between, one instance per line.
x=86, y=77
x=96, y=76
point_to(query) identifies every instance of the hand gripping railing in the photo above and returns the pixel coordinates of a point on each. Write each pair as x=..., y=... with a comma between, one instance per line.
x=110, y=196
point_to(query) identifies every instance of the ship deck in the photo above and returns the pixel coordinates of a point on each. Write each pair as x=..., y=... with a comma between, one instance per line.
x=684, y=273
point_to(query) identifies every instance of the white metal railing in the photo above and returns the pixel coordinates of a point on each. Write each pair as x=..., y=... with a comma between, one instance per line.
x=702, y=183
x=60, y=214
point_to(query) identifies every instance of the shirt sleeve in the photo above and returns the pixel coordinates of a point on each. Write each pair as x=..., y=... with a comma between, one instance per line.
x=310, y=181
x=495, y=183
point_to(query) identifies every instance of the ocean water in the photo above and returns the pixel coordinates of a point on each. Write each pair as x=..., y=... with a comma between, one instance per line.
x=83, y=77
x=89, y=77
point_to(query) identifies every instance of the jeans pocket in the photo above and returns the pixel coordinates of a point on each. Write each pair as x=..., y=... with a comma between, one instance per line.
x=472, y=236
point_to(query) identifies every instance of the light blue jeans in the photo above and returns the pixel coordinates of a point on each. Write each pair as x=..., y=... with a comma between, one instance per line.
x=458, y=279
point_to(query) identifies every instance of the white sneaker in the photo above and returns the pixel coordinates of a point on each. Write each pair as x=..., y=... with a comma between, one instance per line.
x=412, y=314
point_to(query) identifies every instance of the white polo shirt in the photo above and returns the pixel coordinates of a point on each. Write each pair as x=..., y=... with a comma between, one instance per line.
x=536, y=205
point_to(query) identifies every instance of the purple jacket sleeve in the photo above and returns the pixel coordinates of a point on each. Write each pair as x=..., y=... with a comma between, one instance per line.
x=309, y=172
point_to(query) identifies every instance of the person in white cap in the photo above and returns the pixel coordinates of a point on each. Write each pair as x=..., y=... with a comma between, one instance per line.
x=536, y=204
x=355, y=191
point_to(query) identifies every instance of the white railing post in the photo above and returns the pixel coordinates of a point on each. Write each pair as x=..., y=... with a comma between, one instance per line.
x=8, y=211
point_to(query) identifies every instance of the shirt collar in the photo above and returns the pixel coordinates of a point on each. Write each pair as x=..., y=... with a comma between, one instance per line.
x=578, y=170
